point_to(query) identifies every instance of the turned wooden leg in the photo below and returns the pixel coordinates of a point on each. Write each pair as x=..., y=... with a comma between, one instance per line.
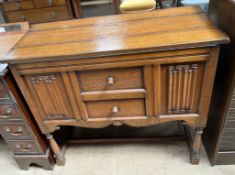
x=196, y=145
x=58, y=154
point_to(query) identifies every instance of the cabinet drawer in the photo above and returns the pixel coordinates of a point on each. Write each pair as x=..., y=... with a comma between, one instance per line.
x=25, y=147
x=9, y=111
x=116, y=108
x=4, y=95
x=111, y=79
x=227, y=146
x=39, y=15
x=15, y=6
x=14, y=131
x=48, y=3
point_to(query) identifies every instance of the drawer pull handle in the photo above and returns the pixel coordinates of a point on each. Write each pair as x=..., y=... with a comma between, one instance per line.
x=49, y=2
x=25, y=149
x=110, y=81
x=22, y=18
x=115, y=109
x=18, y=6
x=8, y=111
x=7, y=115
x=18, y=131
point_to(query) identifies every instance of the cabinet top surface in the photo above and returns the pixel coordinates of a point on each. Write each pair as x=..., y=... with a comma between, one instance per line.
x=10, y=34
x=175, y=28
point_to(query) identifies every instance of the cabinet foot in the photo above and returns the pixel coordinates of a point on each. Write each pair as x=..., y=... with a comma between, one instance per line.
x=194, y=158
x=196, y=145
x=60, y=160
x=194, y=138
x=58, y=153
x=45, y=161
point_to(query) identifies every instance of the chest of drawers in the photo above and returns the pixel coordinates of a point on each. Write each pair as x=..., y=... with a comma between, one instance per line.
x=17, y=126
x=37, y=11
x=126, y=69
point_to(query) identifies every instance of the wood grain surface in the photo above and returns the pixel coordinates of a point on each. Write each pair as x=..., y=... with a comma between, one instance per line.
x=145, y=69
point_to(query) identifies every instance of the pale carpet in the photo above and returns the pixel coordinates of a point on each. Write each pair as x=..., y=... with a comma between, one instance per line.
x=122, y=159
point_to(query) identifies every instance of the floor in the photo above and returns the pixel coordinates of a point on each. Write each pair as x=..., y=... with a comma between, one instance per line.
x=149, y=158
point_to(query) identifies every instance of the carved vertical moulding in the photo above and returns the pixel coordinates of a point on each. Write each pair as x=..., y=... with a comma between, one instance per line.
x=183, y=85
x=52, y=95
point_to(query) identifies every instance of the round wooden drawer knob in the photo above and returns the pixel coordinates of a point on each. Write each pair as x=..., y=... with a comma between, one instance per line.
x=110, y=81
x=115, y=109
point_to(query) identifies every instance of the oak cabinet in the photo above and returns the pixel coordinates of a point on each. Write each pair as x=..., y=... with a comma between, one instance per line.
x=115, y=73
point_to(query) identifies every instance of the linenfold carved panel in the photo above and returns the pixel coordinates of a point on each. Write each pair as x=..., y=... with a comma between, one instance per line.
x=182, y=84
x=51, y=93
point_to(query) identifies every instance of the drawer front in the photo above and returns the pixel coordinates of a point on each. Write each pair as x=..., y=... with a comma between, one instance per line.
x=9, y=111
x=231, y=110
x=48, y=3
x=228, y=139
x=14, y=131
x=230, y=124
x=15, y=6
x=25, y=147
x=111, y=79
x=231, y=113
x=227, y=146
x=39, y=15
x=4, y=95
x=116, y=108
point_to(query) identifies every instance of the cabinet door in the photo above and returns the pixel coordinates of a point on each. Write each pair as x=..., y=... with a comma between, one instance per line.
x=178, y=87
x=53, y=95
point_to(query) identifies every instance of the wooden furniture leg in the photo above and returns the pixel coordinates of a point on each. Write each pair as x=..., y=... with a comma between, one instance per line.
x=196, y=145
x=116, y=4
x=58, y=154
